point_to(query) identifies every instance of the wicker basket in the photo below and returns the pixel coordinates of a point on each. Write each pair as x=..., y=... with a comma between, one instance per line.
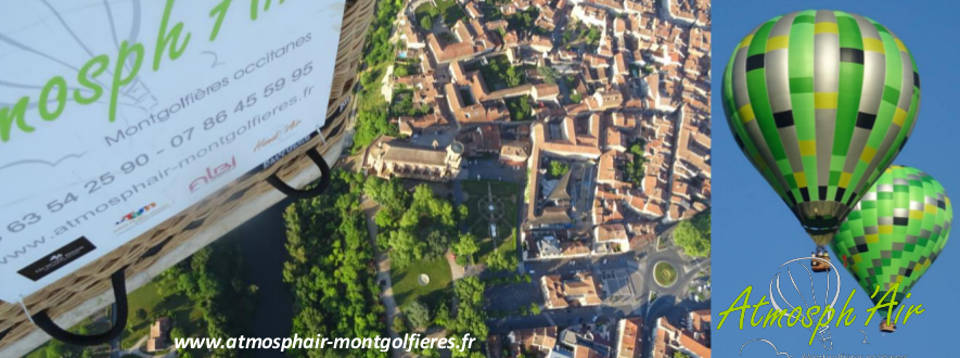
x=78, y=295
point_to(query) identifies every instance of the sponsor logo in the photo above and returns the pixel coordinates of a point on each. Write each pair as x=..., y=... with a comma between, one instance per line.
x=286, y=129
x=136, y=213
x=134, y=218
x=276, y=157
x=213, y=173
x=57, y=259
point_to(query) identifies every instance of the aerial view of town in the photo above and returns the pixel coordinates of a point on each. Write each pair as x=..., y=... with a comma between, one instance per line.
x=535, y=173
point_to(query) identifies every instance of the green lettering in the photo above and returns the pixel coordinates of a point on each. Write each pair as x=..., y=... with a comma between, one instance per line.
x=119, y=80
x=774, y=316
x=883, y=304
x=795, y=315
x=745, y=295
x=42, y=106
x=8, y=116
x=807, y=321
x=918, y=310
x=85, y=78
x=255, y=7
x=847, y=312
x=221, y=12
x=828, y=314
x=756, y=307
x=169, y=38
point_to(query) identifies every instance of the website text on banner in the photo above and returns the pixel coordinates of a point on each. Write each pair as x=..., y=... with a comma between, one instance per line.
x=116, y=116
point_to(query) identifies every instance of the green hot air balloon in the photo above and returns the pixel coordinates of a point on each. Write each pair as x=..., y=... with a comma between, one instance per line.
x=895, y=232
x=821, y=102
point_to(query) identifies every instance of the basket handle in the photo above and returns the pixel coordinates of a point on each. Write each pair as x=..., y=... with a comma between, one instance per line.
x=42, y=319
x=309, y=193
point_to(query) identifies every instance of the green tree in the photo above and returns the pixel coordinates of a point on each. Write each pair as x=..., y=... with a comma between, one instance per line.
x=426, y=23
x=442, y=316
x=141, y=314
x=418, y=315
x=401, y=70
x=636, y=169
x=466, y=246
x=514, y=77
x=679, y=354
x=576, y=97
x=177, y=332
x=498, y=261
x=593, y=37
x=520, y=108
x=693, y=235
x=471, y=316
x=400, y=324
x=558, y=168
x=55, y=349
x=329, y=271
x=548, y=73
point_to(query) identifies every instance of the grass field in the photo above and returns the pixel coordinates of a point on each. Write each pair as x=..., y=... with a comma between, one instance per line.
x=406, y=287
x=506, y=194
x=151, y=298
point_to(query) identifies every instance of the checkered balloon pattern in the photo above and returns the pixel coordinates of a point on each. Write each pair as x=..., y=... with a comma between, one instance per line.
x=821, y=102
x=895, y=232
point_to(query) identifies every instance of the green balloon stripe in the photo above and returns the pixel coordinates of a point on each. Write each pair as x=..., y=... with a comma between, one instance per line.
x=895, y=232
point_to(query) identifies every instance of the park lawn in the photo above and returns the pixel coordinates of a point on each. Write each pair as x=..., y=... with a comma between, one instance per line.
x=508, y=193
x=149, y=298
x=406, y=287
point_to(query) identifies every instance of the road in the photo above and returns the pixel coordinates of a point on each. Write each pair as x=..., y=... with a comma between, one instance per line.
x=490, y=169
x=627, y=279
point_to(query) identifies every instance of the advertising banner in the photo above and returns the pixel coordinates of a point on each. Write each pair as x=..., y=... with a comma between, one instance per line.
x=116, y=115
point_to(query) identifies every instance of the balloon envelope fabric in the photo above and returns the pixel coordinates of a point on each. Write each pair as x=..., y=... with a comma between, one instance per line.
x=821, y=102
x=895, y=232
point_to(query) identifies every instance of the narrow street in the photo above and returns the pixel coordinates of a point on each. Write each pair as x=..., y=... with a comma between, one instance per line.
x=370, y=208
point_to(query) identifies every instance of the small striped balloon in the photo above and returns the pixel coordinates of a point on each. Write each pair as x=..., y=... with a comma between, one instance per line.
x=821, y=102
x=895, y=232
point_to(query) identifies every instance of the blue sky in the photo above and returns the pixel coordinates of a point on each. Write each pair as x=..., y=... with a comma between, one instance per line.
x=754, y=232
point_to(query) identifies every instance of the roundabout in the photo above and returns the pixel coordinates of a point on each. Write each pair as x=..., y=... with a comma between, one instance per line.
x=664, y=274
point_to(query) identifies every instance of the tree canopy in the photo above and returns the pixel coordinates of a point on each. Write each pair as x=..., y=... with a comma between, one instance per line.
x=412, y=227
x=558, y=168
x=330, y=269
x=636, y=169
x=418, y=315
x=693, y=235
x=466, y=246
